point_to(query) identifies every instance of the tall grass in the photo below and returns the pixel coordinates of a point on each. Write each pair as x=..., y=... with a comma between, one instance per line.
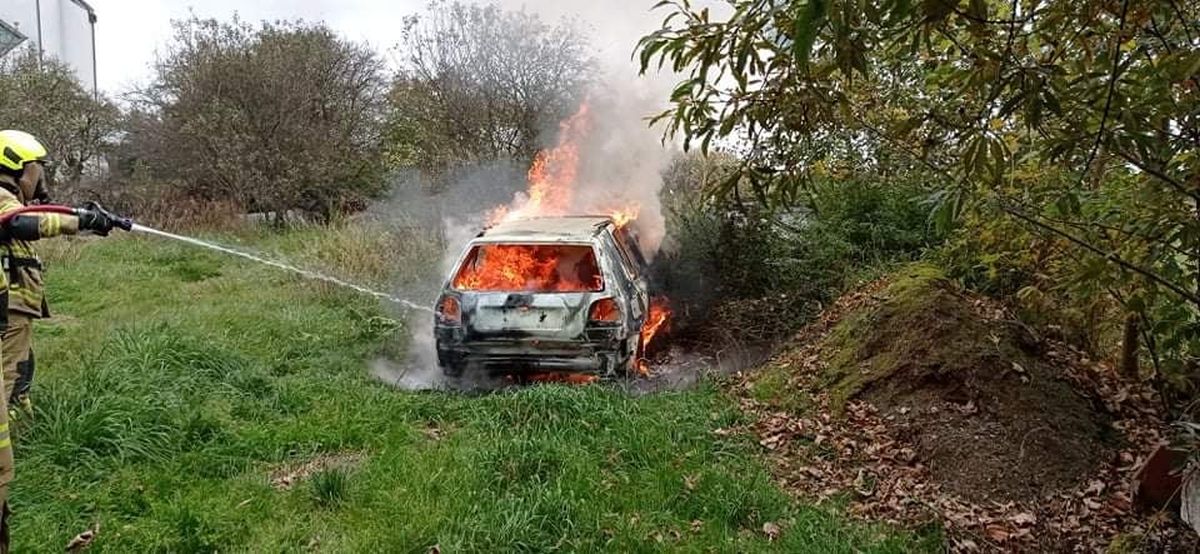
x=330, y=487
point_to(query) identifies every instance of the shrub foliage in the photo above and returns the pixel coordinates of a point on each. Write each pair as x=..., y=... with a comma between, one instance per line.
x=283, y=116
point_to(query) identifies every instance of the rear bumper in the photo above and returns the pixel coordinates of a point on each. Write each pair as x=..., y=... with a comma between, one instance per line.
x=598, y=351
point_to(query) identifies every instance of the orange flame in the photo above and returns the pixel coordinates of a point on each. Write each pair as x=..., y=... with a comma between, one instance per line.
x=565, y=378
x=660, y=314
x=553, y=176
x=530, y=268
x=622, y=217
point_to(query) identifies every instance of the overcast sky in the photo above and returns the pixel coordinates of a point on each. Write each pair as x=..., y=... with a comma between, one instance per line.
x=129, y=32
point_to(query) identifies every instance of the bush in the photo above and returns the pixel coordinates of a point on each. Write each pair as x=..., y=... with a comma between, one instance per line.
x=1079, y=297
x=160, y=204
x=1001, y=257
x=753, y=273
x=285, y=116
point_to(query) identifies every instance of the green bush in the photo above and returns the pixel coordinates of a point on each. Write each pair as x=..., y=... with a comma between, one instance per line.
x=762, y=273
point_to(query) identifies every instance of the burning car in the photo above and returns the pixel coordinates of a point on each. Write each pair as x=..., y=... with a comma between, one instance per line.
x=566, y=295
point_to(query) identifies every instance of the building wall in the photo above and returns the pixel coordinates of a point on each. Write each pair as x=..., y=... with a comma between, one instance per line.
x=66, y=32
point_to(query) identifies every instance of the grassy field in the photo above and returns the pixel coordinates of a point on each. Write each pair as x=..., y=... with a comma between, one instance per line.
x=174, y=383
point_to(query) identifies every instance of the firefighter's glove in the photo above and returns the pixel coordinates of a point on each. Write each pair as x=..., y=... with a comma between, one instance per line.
x=20, y=408
x=96, y=221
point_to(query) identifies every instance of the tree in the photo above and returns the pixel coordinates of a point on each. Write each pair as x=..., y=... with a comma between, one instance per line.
x=1079, y=120
x=479, y=83
x=46, y=100
x=284, y=116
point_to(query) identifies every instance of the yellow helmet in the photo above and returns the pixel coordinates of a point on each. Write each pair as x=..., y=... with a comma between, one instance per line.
x=18, y=148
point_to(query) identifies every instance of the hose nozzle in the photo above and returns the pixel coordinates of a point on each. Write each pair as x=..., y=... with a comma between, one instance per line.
x=119, y=222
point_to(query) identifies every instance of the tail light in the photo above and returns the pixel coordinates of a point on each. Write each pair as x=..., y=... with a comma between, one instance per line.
x=449, y=312
x=604, y=310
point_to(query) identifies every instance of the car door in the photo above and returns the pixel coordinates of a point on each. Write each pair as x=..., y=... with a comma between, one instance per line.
x=637, y=282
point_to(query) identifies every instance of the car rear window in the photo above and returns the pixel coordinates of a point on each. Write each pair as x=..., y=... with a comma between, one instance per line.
x=530, y=268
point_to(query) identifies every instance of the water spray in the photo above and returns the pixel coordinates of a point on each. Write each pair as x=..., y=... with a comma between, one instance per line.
x=280, y=265
x=128, y=225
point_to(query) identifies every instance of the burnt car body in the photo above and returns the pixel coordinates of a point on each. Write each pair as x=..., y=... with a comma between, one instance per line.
x=549, y=294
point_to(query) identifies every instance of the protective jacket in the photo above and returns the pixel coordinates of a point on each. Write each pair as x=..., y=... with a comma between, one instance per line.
x=22, y=267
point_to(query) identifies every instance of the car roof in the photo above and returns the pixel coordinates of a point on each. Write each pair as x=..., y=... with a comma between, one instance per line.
x=563, y=228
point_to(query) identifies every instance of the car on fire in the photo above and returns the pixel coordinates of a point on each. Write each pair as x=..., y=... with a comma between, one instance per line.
x=546, y=294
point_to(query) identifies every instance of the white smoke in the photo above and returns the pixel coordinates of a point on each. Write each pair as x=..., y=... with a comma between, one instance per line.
x=621, y=158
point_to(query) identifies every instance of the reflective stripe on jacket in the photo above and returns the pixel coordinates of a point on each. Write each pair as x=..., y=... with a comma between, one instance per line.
x=23, y=268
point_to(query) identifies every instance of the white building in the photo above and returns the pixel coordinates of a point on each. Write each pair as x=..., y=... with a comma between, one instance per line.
x=63, y=29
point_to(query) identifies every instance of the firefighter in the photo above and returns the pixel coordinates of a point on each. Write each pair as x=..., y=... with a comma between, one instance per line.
x=23, y=182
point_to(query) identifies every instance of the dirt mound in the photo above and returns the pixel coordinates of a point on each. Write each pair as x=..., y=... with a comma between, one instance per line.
x=967, y=387
x=916, y=399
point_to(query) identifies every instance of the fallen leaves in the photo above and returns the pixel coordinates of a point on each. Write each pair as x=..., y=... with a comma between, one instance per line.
x=432, y=433
x=83, y=540
x=286, y=477
x=997, y=533
x=771, y=530
x=1023, y=519
x=862, y=456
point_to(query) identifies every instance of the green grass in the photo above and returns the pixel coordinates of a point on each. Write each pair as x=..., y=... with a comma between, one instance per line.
x=773, y=386
x=173, y=382
x=329, y=486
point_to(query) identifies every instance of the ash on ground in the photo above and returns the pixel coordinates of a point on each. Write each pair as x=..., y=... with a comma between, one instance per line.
x=678, y=369
x=683, y=369
x=405, y=376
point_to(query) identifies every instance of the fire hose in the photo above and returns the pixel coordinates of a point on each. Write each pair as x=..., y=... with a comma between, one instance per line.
x=119, y=222
x=128, y=225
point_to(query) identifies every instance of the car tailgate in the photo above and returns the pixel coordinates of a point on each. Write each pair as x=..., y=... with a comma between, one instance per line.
x=541, y=313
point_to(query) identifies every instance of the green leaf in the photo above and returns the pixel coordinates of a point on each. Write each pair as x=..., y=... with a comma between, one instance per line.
x=725, y=186
x=1067, y=204
x=936, y=10
x=901, y=9
x=1011, y=104
x=970, y=159
x=947, y=205
x=805, y=29
x=727, y=124
x=977, y=9
x=998, y=158
x=648, y=52
x=909, y=125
